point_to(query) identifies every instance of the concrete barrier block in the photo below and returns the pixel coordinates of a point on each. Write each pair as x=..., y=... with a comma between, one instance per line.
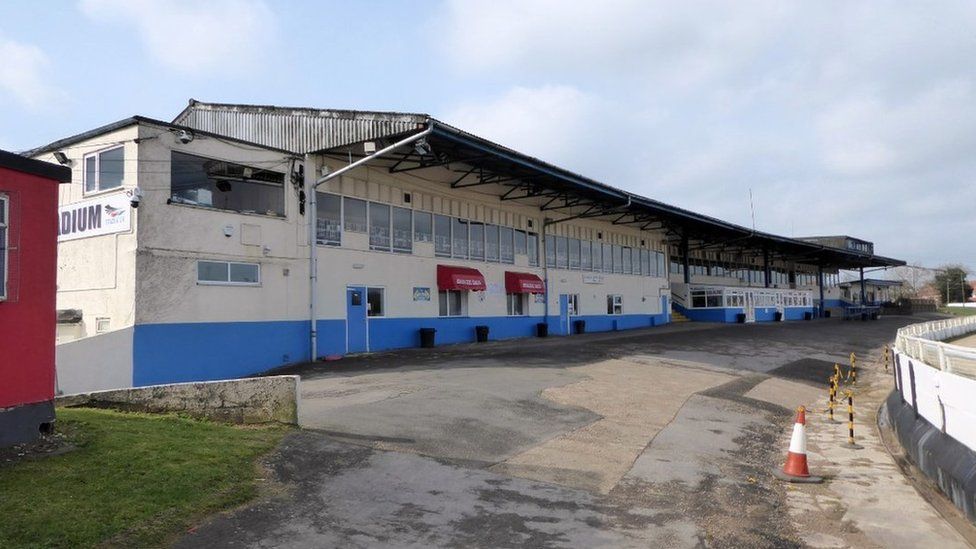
x=272, y=399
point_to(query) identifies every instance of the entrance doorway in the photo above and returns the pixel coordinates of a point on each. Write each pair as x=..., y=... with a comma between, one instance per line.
x=357, y=333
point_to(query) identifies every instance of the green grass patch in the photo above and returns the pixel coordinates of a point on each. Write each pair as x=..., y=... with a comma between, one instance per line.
x=959, y=311
x=134, y=480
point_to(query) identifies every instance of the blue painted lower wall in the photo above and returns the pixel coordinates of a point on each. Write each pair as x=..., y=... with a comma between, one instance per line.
x=169, y=353
x=729, y=314
x=200, y=351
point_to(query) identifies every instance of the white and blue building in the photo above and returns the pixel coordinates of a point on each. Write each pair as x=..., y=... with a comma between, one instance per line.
x=187, y=247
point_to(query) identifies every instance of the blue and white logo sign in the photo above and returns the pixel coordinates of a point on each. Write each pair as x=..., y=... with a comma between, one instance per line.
x=421, y=294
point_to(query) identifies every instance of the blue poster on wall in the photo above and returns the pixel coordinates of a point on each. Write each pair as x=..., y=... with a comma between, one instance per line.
x=421, y=294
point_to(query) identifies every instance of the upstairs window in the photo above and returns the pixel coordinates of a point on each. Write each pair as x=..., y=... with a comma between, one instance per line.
x=222, y=185
x=505, y=244
x=379, y=226
x=354, y=215
x=328, y=221
x=422, y=228
x=532, y=248
x=103, y=170
x=442, y=236
x=402, y=230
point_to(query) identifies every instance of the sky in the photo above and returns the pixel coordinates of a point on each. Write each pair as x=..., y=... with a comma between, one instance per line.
x=851, y=118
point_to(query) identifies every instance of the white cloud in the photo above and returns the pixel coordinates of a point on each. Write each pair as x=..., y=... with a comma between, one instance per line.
x=545, y=122
x=194, y=36
x=22, y=74
x=843, y=117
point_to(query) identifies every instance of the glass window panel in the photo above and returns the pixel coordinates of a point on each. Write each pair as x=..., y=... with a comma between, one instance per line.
x=457, y=307
x=521, y=243
x=477, y=239
x=532, y=241
x=491, y=242
x=422, y=227
x=354, y=215
x=550, y=251
x=645, y=262
x=607, y=258
x=628, y=264
x=374, y=302
x=111, y=166
x=506, y=248
x=402, y=230
x=597, y=257
x=217, y=184
x=562, y=256
x=244, y=273
x=379, y=226
x=618, y=259
x=574, y=253
x=328, y=219
x=212, y=271
x=91, y=173
x=586, y=259
x=460, y=249
x=442, y=302
x=442, y=236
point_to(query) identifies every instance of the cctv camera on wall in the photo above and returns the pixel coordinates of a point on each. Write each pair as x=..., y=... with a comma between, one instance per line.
x=184, y=136
x=135, y=197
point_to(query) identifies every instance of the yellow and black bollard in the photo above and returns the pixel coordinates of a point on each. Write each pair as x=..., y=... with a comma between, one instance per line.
x=852, y=373
x=887, y=357
x=850, y=421
x=832, y=392
x=837, y=372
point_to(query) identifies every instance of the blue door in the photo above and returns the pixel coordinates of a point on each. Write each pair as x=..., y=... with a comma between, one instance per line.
x=564, y=314
x=357, y=338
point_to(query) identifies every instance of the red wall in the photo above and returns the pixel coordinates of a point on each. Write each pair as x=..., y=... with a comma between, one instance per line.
x=28, y=317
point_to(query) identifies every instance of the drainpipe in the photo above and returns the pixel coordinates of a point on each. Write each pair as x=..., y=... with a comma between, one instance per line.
x=686, y=262
x=313, y=262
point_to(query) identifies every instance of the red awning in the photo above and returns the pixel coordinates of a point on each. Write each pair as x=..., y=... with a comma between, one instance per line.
x=523, y=283
x=459, y=278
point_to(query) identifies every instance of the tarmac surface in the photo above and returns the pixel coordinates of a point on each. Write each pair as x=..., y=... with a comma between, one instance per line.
x=662, y=437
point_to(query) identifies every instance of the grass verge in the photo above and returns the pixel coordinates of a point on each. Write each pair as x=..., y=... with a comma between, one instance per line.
x=134, y=480
x=959, y=311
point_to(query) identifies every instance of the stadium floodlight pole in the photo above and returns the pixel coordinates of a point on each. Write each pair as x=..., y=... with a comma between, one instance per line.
x=313, y=256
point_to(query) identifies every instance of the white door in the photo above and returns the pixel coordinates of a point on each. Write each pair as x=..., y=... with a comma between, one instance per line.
x=750, y=307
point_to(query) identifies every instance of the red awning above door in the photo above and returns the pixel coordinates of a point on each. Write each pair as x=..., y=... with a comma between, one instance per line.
x=523, y=283
x=450, y=277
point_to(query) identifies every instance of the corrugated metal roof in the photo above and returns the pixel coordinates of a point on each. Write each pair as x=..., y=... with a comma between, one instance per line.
x=298, y=130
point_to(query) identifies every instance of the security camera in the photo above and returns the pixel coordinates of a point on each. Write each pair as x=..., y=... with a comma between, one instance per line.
x=135, y=197
x=184, y=136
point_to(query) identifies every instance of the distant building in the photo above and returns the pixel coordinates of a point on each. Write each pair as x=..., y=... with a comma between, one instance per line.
x=28, y=270
x=876, y=291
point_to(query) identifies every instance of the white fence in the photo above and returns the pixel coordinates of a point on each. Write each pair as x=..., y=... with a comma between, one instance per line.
x=938, y=379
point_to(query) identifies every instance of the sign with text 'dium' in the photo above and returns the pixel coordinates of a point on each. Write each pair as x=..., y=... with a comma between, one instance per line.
x=98, y=216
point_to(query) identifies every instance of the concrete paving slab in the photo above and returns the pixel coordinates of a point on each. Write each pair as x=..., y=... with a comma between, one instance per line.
x=789, y=394
x=635, y=400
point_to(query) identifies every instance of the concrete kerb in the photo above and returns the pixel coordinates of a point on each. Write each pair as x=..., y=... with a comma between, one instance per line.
x=242, y=401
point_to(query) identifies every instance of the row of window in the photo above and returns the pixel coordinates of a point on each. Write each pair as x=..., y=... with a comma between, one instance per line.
x=392, y=228
x=717, y=297
x=751, y=274
x=585, y=255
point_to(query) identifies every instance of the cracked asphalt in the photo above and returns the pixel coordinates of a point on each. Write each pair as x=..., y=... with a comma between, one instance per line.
x=662, y=437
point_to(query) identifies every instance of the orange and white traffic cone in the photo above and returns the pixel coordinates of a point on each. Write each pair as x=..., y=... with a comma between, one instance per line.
x=795, y=469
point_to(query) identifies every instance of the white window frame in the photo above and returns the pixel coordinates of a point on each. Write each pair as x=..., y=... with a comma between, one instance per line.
x=523, y=300
x=572, y=301
x=5, y=245
x=382, y=290
x=228, y=282
x=98, y=174
x=98, y=324
x=463, y=294
x=616, y=304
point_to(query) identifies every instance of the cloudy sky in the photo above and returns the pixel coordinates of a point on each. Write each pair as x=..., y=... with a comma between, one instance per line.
x=842, y=117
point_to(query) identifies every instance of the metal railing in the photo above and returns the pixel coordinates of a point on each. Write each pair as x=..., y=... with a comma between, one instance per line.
x=926, y=342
